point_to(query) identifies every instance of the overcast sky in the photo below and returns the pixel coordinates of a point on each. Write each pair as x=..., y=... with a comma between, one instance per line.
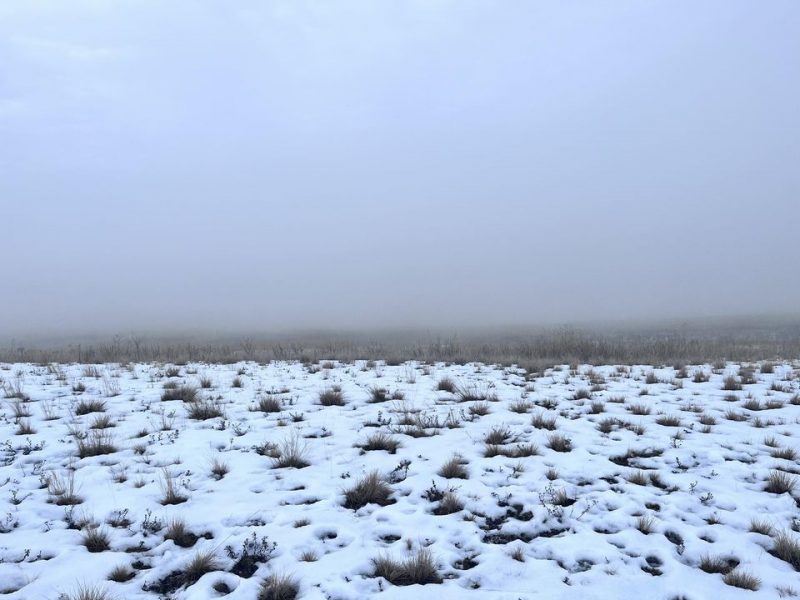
x=206, y=164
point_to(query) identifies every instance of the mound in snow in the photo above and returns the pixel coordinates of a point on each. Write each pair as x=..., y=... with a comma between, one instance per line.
x=348, y=481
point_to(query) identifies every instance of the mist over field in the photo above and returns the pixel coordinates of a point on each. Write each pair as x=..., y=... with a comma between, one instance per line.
x=213, y=168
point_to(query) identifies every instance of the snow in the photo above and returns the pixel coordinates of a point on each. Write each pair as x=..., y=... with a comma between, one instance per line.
x=589, y=549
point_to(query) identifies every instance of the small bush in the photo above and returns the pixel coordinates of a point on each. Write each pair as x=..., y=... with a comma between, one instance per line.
x=370, y=489
x=24, y=427
x=419, y=568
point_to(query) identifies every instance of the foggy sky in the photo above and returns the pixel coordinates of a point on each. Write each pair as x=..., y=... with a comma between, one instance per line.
x=202, y=164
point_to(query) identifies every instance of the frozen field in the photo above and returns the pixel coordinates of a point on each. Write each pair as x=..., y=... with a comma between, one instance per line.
x=350, y=481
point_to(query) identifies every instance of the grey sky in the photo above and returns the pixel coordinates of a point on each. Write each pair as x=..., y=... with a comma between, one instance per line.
x=260, y=164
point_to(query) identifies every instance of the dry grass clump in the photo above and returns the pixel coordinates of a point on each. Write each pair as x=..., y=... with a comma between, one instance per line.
x=381, y=441
x=449, y=504
x=669, y=420
x=639, y=409
x=559, y=442
x=762, y=527
x=96, y=540
x=84, y=407
x=473, y=393
x=269, y=404
x=169, y=489
x=179, y=533
x=520, y=406
x=333, y=396
x=292, y=452
x=742, y=579
x=718, y=564
x=24, y=427
x=370, y=489
x=89, y=593
x=779, y=482
x=121, y=574
x=202, y=410
x=645, y=524
x=784, y=453
x=279, y=587
x=187, y=393
x=201, y=563
x=541, y=421
x=454, y=468
x=731, y=384
x=96, y=443
x=62, y=489
x=787, y=548
x=516, y=451
x=446, y=385
x=219, y=468
x=499, y=435
x=419, y=568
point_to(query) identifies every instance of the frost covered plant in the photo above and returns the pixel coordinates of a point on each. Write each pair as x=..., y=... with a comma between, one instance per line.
x=419, y=568
x=370, y=489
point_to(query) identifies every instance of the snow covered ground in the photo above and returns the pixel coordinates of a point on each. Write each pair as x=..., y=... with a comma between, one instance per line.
x=604, y=482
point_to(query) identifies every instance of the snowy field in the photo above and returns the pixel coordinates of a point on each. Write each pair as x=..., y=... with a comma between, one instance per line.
x=362, y=480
